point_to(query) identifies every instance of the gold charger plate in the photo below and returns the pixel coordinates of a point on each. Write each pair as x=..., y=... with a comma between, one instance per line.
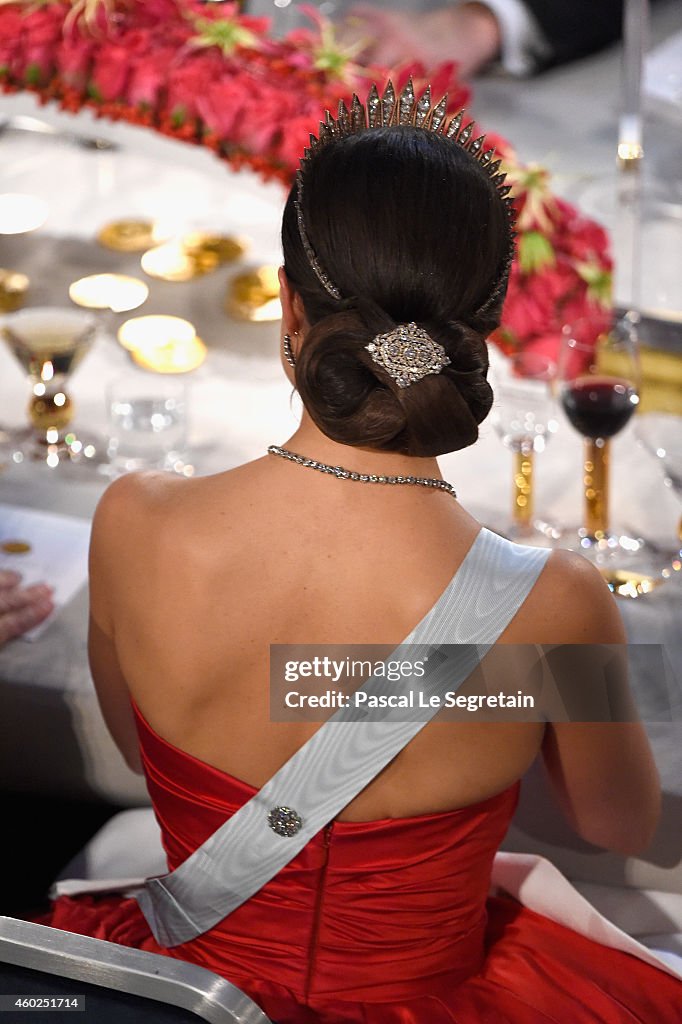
x=173, y=262
x=128, y=235
x=254, y=295
x=180, y=356
x=13, y=288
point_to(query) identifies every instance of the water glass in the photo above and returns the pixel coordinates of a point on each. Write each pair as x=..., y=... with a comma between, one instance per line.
x=147, y=418
x=524, y=416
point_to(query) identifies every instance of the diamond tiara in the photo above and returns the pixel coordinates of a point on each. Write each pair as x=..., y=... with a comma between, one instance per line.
x=387, y=111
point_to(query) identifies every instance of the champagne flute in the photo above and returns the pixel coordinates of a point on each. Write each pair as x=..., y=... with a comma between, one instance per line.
x=524, y=416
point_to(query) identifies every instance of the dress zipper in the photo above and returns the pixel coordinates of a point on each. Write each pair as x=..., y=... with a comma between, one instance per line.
x=319, y=899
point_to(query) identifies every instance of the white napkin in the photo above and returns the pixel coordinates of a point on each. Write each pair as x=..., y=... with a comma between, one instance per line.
x=58, y=553
x=538, y=885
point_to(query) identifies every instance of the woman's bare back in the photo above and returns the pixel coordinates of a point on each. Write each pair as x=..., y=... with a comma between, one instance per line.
x=215, y=570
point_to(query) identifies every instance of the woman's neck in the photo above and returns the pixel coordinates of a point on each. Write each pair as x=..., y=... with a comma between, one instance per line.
x=309, y=440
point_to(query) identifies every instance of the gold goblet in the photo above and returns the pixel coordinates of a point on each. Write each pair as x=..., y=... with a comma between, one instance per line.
x=49, y=343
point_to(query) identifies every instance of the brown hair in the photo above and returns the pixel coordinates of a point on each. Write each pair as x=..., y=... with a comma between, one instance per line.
x=408, y=225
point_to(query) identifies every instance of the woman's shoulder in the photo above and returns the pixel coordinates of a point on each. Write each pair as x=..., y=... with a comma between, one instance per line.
x=141, y=512
x=135, y=504
x=141, y=491
x=570, y=604
x=164, y=518
x=143, y=497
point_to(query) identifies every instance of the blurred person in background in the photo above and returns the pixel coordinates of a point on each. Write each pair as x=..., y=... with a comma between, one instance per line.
x=522, y=36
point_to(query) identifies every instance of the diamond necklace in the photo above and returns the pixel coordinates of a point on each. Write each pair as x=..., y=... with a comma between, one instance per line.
x=363, y=478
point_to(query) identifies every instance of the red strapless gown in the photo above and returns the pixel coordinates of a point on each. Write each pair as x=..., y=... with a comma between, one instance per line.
x=383, y=922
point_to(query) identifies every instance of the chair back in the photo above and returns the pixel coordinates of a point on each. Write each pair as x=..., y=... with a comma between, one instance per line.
x=38, y=962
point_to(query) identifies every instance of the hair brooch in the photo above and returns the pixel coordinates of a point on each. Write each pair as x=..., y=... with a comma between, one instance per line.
x=407, y=354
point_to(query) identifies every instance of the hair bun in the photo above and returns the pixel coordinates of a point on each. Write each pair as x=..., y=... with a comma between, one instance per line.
x=338, y=386
x=355, y=401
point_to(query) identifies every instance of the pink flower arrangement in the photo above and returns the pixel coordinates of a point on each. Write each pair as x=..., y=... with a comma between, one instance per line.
x=563, y=269
x=210, y=75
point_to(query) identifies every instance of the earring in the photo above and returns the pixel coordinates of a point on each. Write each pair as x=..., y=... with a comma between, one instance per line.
x=288, y=354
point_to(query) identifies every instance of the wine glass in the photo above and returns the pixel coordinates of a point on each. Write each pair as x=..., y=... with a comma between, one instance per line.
x=599, y=389
x=49, y=343
x=599, y=382
x=524, y=416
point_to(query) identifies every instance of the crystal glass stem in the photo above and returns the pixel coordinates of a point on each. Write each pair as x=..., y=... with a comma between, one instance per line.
x=596, y=484
x=630, y=154
x=50, y=411
x=635, y=39
x=522, y=498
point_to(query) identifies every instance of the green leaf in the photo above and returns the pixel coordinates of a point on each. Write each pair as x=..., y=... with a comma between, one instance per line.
x=34, y=74
x=94, y=93
x=179, y=116
x=226, y=35
x=333, y=62
x=599, y=282
x=331, y=56
x=534, y=177
x=535, y=252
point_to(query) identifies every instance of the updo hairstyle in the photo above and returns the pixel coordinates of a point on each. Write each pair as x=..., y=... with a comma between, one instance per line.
x=409, y=227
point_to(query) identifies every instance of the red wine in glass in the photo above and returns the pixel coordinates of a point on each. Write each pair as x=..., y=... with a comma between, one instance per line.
x=599, y=406
x=599, y=374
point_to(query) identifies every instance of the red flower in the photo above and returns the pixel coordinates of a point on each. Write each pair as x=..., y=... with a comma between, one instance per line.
x=588, y=240
x=11, y=22
x=148, y=77
x=111, y=71
x=588, y=319
x=74, y=59
x=189, y=81
x=550, y=345
x=260, y=125
x=295, y=139
x=524, y=316
x=220, y=106
x=155, y=13
x=41, y=30
x=43, y=26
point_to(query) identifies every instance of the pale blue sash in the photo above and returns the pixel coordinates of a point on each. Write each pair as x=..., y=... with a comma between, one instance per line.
x=339, y=760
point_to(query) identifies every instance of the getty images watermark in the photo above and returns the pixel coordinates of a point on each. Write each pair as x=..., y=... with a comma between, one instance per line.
x=466, y=682
x=414, y=696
